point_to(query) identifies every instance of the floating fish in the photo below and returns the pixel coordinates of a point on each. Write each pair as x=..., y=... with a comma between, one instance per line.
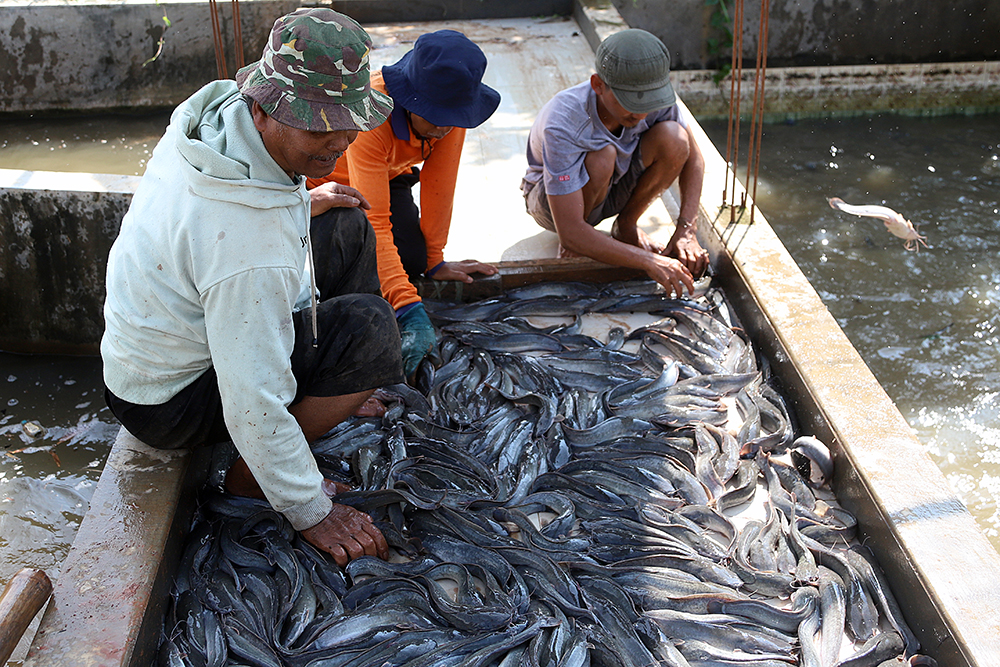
x=896, y=224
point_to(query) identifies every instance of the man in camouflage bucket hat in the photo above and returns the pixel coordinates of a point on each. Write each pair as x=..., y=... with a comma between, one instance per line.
x=213, y=327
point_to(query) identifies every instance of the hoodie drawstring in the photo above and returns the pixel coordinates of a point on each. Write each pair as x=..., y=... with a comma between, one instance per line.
x=312, y=291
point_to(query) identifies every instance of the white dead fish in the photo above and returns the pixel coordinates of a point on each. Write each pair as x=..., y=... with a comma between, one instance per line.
x=32, y=429
x=894, y=222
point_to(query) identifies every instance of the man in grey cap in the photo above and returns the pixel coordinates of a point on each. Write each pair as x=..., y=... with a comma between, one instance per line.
x=609, y=147
x=219, y=325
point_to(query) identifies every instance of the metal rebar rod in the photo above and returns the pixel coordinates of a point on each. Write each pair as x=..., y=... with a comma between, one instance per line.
x=753, y=148
x=220, y=58
x=238, y=35
x=736, y=99
x=765, y=12
x=729, y=128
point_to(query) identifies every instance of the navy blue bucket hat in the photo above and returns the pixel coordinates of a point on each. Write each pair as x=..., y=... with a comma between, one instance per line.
x=441, y=80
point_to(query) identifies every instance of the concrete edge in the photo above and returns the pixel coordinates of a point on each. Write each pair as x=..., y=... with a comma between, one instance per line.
x=798, y=92
x=108, y=602
x=67, y=181
x=927, y=542
x=597, y=19
x=394, y=11
x=56, y=233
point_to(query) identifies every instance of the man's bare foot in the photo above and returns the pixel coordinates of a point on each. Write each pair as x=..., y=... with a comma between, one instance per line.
x=372, y=407
x=333, y=489
x=240, y=481
x=640, y=239
x=565, y=253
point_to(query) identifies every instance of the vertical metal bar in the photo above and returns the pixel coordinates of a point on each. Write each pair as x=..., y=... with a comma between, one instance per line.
x=733, y=72
x=736, y=99
x=238, y=35
x=765, y=12
x=753, y=150
x=220, y=58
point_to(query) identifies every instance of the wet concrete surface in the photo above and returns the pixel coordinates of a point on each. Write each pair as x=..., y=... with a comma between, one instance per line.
x=112, y=580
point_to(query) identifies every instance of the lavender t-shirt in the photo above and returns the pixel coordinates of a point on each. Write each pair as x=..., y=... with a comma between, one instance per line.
x=567, y=128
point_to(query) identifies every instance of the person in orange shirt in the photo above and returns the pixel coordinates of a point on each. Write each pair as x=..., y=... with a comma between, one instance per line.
x=438, y=92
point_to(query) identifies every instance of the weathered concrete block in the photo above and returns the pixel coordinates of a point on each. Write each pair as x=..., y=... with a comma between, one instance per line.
x=56, y=230
x=809, y=33
x=87, y=55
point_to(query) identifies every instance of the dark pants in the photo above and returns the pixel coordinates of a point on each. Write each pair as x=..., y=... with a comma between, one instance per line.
x=405, y=217
x=358, y=346
x=536, y=200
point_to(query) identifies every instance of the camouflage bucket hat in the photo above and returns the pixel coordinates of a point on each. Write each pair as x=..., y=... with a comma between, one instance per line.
x=314, y=74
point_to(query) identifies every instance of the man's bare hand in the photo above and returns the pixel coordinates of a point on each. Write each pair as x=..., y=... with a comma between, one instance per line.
x=333, y=489
x=346, y=534
x=670, y=273
x=685, y=247
x=462, y=271
x=334, y=195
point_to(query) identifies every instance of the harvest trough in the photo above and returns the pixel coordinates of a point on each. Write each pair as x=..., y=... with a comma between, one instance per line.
x=109, y=599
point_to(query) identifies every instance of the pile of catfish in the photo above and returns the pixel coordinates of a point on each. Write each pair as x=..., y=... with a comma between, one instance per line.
x=555, y=500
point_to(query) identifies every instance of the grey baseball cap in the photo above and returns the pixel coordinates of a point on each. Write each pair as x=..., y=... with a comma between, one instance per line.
x=636, y=66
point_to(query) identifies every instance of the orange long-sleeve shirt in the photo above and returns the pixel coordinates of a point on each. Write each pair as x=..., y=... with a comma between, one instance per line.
x=378, y=156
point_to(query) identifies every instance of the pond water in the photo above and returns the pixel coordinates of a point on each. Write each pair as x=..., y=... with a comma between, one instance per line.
x=120, y=144
x=925, y=322
x=48, y=478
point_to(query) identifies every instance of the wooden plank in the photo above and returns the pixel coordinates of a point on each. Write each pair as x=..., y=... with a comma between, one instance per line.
x=517, y=273
x=22, y=598
x=525, y=272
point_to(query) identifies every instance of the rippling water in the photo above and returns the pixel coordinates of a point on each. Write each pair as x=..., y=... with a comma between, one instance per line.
x=925, y=322
x=46, y=481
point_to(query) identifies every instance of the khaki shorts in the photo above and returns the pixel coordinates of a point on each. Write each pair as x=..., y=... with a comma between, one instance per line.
x=537, y=203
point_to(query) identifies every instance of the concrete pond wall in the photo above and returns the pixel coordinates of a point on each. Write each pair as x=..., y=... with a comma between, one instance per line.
x=56, y=232
x=73, y=55
x=81, y=55
x=810, y=33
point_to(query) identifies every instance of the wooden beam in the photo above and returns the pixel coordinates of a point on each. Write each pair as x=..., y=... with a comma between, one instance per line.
x=525, y=272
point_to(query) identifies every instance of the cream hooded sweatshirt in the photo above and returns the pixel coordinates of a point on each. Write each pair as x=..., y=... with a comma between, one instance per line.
x=206, y=271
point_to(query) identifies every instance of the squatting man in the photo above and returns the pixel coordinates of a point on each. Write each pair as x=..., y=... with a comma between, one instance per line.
x=609, y=147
